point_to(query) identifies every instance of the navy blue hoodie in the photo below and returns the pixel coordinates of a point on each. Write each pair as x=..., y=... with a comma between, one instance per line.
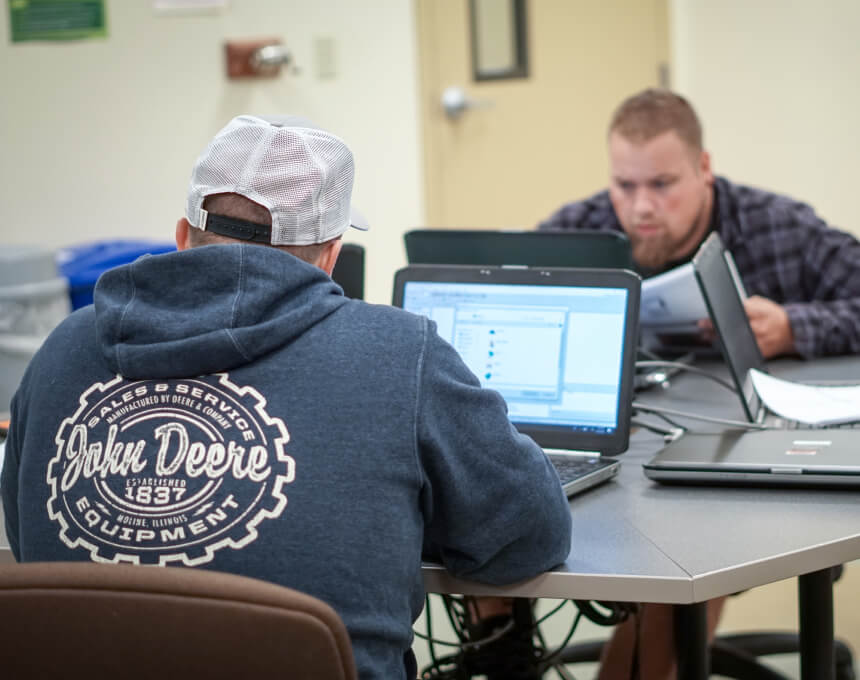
x=227, y=407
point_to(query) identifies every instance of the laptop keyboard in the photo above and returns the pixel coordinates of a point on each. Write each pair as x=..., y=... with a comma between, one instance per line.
x=571, y=468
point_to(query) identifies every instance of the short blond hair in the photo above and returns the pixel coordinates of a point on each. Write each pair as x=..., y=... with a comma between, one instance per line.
x=652, y=112
x=241, y=208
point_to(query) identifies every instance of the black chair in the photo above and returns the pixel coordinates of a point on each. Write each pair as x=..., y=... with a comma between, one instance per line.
x=737, y=655
x=733, y=656
x=349, y=270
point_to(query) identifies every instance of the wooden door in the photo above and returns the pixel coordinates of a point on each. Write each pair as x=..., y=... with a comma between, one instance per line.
x=529, y=144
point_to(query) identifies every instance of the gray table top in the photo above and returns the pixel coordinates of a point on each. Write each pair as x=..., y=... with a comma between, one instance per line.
x=636, y=540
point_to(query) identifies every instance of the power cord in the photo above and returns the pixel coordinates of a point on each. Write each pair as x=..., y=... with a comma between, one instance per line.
x=670, y=434
x=548, y=659
x=615, y=612
x=496, y=635
x=550, y=613
x=682, y=366
x=483, y=648
x=660, y=411
x=504, y=653
x=648, y=353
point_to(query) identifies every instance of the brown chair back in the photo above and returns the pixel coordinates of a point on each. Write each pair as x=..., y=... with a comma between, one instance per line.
x=83, y=620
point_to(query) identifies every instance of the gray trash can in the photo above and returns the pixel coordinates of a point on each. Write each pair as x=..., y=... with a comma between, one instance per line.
x=33, y=300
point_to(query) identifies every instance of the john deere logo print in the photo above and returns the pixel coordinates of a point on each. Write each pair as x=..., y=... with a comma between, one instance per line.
x=171, y=471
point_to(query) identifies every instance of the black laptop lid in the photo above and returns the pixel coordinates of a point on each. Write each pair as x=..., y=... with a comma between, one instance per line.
x=558, y=344
x=726, y=308
x=604, y=249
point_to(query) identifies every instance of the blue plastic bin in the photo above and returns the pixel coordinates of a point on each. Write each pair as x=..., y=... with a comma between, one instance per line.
x=82, y=265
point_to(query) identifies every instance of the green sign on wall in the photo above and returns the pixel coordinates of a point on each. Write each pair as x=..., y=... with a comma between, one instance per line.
x=56, y=19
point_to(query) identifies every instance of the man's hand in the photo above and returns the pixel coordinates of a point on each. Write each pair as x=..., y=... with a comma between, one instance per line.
x=770, y=325
x=707, y=331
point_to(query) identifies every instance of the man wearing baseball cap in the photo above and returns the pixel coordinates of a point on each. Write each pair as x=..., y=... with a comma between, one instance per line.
x=226, y=407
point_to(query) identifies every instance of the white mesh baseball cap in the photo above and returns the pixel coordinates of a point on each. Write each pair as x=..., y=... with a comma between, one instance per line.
x=301, y=174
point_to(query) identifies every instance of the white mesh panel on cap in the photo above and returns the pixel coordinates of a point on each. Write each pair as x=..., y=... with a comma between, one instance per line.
x=312, y=205
x=302, y=175
x=221, y=166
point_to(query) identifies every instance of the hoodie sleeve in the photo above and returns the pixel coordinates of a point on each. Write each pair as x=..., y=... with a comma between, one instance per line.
x=494, y=507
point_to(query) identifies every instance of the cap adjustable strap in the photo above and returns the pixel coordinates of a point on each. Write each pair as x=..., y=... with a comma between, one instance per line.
x=235, y=228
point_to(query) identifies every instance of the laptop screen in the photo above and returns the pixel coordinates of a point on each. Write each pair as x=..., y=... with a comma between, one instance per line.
x=556, y=353
x=726, y=308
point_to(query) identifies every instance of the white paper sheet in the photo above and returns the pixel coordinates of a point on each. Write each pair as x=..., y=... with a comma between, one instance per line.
x=811, y=404
x=672, y=299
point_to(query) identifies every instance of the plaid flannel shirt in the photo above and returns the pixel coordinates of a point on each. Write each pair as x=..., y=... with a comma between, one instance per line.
x=783, y=251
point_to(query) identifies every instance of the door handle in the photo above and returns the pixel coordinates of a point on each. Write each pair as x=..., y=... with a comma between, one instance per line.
x=270, y=58
x=455, y=101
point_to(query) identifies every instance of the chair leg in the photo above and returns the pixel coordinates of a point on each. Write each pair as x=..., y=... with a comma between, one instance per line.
x=734, y=662
x=765, y=643
x=734, y=655
x=762, y=643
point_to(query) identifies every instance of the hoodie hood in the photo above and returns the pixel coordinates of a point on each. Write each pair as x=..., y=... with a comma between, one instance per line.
x=207, y=309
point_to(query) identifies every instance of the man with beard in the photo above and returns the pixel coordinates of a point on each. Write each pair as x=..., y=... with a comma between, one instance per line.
x=802, y=276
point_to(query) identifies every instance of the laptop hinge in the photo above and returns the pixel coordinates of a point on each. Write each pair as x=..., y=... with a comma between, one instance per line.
x=570, y=452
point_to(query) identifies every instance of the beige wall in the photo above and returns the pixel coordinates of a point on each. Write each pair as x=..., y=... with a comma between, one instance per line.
x=97, y=138
x=775, y=82
x=86, y=128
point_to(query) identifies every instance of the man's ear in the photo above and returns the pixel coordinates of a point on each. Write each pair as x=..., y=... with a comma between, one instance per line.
x=183, y=230
x=329, y=256
x=705, y=167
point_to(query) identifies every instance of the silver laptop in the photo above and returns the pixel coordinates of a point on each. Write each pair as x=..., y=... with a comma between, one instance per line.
x=762, y=458
x=558, y=344
x=790, y=453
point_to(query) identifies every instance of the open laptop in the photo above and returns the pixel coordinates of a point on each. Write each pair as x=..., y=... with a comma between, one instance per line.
x=724, y=297
x=585, y=248
x=581, y=248
x=558, y=344
x=788, y=454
